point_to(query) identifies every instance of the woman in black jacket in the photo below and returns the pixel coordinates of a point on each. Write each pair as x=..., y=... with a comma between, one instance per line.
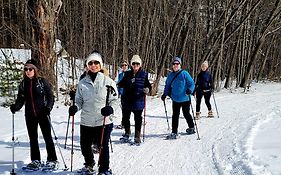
x=204, y=87
x=36, y=94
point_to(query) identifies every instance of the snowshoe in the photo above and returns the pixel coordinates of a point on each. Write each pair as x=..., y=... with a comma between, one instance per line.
x=35, y=165
x=119, y=127
x=172, y=136
x=107, y=172
x=190, y=131
x=51, y=166
x=125, y=138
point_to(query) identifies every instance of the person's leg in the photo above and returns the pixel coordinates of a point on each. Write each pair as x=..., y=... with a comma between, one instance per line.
x=47, y=135
x=175, y=117
x=186, y=114
x=86, y=140
x=138, y=123
x=126, y=120
x=104, y=154
x=32, y=129
x=207, y=97
x=199, y=96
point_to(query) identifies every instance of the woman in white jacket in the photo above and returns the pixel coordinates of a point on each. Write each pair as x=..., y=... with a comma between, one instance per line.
x=91, y=97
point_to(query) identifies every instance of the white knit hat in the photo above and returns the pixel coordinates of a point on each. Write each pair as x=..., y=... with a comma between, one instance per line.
x=136, y=59
x=205, y=63
x=95, y=57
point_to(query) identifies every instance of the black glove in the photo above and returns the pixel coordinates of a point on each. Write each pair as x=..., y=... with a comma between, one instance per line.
x=13, y=108
x=188, y=91
x=47, y=110
x=106, y=111
x=163, y=97
x=72, y=94
x=72, y=110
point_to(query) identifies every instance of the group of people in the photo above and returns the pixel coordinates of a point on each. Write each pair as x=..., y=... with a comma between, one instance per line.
x=96, y=96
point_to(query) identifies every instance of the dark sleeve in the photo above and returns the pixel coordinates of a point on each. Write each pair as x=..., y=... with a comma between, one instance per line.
x=48, y=94
x=211, y=81
x=147, y=83
x=20, y=97
x=122, y=82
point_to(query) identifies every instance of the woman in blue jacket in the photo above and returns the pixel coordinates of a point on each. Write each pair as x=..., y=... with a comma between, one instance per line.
x=179, y=85
x=204, y=87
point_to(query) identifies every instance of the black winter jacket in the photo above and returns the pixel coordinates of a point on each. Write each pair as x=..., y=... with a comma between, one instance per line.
x=36, y=94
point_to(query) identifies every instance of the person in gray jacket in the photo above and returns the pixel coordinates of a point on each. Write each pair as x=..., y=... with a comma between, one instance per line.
x=90, y=97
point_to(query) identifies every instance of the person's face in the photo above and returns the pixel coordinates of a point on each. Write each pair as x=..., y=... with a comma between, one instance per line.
x=176, y=66
x=124, y=66
x=29, y=71
x=94, y=66
x=135, y=66
x=204, y=67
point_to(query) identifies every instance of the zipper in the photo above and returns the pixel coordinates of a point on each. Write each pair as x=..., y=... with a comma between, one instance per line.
x=32, y=101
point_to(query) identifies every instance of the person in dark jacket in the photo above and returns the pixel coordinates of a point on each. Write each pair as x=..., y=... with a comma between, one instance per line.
x=204, y=88
x=179, y=85
x=36, y=94
x=135, y=86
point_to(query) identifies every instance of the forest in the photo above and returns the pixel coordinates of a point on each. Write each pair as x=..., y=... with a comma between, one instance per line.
x=239, y=38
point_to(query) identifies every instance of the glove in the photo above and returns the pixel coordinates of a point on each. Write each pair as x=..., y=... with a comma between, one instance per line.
x=13, y=108
x=72, y=110
x=47, y=110
x=106, y=111
x=163, y=97
x=146, y=90
x=72, y=95
x=188, y=91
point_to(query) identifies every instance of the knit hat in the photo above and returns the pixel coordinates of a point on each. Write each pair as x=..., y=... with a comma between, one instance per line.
x=31, y=63
x=136, y=59
x=95, y=57
x=177, y=60
x=205, y=63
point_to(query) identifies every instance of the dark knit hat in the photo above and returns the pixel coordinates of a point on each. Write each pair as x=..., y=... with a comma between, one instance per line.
x=31, y=62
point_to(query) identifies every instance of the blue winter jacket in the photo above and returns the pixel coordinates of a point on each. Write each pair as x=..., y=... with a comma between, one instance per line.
x=182, y=84
x=133, y=85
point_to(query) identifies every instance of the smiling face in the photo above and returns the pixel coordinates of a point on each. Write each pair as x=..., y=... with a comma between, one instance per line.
x=94, y=66
x=204, y=67
x=176, y=66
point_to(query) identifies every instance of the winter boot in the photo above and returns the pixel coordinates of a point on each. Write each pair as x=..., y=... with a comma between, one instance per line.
x=126, y=136
x=137, y=137
x=87, y=169
x=34, y=165
x=190, y=131
x=107, y=172
x=51, y=165
x=197, y=116
x=172, y=136
x=210, y=114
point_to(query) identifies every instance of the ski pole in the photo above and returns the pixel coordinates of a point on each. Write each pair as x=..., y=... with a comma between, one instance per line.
x=198, y=137
x=72, y=138
x=13, y=139
x=57, y=143
x=166, y=114
x=144, y=113
x=110, y=89
x=66, y=132
x=216, y=105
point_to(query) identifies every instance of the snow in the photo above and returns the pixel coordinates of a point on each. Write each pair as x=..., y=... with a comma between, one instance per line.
x=243, y=140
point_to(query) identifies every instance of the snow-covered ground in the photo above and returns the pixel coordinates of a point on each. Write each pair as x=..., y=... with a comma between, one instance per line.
x=243, y=140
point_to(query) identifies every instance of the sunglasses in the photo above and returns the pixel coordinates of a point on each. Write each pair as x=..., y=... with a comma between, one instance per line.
x=93, y=62
x=135, y=63
x=123, y=65
x=28, y=69
x=176, y=63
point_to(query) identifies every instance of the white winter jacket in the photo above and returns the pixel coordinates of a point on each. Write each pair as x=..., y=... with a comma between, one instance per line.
x=91, y=97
